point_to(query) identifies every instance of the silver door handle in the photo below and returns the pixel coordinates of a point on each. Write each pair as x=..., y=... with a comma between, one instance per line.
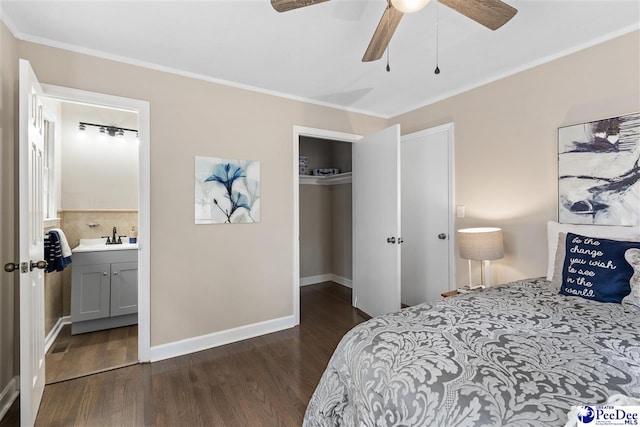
x=11, y=266
x=442, y=236
x=400, y=240
x=40, y=264
x=391, y=239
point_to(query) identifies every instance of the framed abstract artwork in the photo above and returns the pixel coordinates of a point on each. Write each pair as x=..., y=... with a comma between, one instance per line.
x=598, y=173
x=227, y=191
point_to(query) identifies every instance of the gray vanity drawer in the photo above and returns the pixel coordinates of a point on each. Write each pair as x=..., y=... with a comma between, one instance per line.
x=102, y=257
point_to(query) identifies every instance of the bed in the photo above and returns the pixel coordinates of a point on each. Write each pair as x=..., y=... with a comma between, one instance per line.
x=518, y=354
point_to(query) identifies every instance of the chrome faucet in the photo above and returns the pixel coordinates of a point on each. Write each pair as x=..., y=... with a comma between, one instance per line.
x=113, y=239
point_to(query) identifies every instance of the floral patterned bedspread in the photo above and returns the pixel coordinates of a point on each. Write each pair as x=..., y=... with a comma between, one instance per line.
x=517, y=354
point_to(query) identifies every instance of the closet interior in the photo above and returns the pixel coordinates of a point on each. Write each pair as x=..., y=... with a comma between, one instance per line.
x=325, y=211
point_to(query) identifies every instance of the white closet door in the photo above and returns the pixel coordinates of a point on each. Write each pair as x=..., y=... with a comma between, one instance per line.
x=376, y=222
x=426, y=214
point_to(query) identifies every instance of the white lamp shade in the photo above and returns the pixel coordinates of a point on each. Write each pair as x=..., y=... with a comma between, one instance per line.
x=480, y=244
x=409, y=6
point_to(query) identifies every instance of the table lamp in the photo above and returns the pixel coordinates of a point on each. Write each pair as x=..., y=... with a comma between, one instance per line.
x=481, y=244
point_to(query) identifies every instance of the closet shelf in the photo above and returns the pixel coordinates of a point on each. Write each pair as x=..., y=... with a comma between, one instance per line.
x=340, y=178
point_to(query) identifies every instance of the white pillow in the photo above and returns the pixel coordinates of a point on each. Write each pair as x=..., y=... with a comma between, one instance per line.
x=602, y=231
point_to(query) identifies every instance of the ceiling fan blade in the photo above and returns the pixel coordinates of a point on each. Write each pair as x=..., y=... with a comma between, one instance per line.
x=381, y=38
x=286, y=5
x=493, y=14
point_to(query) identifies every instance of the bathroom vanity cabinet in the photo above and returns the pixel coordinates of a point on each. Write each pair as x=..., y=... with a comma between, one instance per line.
x=104, y=290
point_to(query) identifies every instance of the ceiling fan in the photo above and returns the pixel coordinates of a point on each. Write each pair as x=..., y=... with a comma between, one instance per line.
x=493, y=14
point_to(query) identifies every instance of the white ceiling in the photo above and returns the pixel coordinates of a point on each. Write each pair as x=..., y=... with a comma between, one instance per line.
x=314, y=53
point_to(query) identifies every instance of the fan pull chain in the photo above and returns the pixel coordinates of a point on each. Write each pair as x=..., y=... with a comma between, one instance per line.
x=437, y=70
x=389, y=44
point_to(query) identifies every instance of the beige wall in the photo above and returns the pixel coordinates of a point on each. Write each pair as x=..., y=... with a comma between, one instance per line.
x=326, y=230
x=505, y=142
x=8, y=300
x=341, y=231
x=324, y=153
x=505, y=169
x=315, y=230
x=229, y=275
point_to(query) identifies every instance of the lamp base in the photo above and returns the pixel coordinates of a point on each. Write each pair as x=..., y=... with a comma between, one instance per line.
x=470, y=288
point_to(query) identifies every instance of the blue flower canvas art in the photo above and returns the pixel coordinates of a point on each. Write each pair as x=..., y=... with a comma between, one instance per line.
x=227, y=191
x=599, y=173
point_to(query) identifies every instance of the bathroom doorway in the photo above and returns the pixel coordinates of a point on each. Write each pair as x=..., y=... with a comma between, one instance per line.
x=97, y=183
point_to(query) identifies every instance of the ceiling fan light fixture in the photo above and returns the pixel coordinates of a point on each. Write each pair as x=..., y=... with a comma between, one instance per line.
x=409, y=6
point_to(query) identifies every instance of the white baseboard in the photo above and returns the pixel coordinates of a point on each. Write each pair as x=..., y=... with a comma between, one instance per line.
x=342, y=280
x=53, y=334
x=312, y=280
x=9, y=395
x=216, y=339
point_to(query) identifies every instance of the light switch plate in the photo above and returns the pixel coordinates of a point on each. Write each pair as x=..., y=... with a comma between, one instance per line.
x=460, y=211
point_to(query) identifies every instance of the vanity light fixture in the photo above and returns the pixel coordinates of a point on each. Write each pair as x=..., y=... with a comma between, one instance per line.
x=82, y=131
x=102, y=135
x=106, y=129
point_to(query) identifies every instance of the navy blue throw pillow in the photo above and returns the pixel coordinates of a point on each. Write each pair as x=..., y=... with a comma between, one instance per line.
x=596, y=268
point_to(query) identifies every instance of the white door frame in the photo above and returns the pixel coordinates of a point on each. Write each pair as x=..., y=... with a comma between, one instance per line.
x=299, y=131
x=449, y=128
x=144, y=190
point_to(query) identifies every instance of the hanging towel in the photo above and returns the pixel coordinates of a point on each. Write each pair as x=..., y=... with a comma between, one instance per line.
x=53, y=252
x=64, y=244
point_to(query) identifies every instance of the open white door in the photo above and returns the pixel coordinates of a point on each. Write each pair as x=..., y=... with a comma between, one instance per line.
x=427, y=221
x=376, y=222
x=31, y=242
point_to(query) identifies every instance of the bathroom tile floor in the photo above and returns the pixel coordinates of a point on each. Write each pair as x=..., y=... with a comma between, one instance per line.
x=74, y=356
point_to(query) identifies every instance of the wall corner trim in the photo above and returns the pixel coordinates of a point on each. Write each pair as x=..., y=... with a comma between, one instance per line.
x=342, y=280
x=216, y=339
x=8, y=395
x=312, y=280
x=330, y=277
x=53, y=334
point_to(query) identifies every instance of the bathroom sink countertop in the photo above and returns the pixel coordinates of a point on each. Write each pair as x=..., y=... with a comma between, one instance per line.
x=98, y=245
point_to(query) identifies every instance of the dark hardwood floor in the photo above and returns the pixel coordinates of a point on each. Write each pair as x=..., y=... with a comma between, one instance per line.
x=73, y=356
x=264, y=381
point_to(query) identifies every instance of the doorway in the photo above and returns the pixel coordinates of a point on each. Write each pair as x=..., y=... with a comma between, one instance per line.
x=30, y=241
x=92, y=183
x=325, y=211
x=300, y=132
x=141, y=109
x=445, y=210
